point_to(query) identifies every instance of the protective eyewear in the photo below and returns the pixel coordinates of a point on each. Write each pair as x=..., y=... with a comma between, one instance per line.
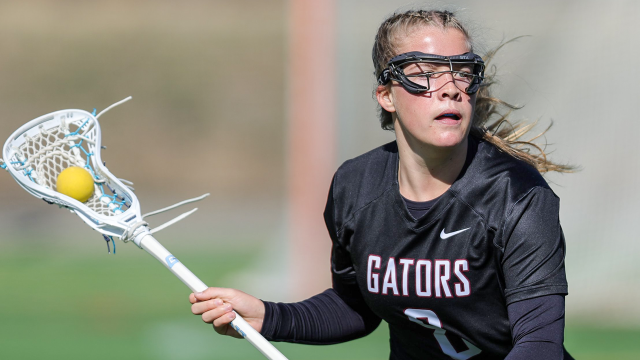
x=418, y=72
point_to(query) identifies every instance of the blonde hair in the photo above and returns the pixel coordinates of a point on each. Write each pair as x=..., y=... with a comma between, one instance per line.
x=490, y=121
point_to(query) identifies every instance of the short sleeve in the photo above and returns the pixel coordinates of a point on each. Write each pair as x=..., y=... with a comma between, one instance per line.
x=343, y=273
x=534, y=247
x=342, y=270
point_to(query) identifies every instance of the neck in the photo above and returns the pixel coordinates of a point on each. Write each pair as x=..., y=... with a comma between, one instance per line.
x=426, y=172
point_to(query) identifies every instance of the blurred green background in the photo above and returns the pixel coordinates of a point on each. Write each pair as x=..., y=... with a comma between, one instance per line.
x=209, y=114
x=61, y=305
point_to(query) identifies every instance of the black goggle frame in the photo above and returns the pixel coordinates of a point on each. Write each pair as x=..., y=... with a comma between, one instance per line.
x=394, y=70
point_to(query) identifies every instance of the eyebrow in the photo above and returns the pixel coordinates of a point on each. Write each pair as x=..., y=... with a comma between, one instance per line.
x=422, y=66
x=427, y=66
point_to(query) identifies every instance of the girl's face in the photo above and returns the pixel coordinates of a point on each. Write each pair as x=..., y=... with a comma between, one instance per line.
x=441, y=117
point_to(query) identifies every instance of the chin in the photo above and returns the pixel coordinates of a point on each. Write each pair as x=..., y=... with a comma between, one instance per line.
x=449, y=140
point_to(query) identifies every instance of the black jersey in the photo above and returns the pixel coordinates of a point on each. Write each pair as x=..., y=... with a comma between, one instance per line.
x=443, y=282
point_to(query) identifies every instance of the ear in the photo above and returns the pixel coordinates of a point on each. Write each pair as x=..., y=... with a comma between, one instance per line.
x=385, y=98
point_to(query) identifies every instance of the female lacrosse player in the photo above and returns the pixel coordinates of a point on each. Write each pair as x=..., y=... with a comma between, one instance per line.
x=450, y=234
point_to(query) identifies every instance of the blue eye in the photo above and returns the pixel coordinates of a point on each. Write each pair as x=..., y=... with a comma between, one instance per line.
x=464, y=75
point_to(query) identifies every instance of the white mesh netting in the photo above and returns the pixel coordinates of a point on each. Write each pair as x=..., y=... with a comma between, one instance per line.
x=39, y=151
x=47, y=153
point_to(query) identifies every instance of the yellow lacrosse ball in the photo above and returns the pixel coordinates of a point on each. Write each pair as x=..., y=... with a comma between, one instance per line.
x=75, y=182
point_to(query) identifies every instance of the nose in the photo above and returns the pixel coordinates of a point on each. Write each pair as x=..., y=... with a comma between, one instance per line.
x=449, y=90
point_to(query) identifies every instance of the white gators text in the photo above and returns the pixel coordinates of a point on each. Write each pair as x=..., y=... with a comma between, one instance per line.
x=431, y=277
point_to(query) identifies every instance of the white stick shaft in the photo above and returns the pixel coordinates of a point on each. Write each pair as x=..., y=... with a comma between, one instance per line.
x=153, y=247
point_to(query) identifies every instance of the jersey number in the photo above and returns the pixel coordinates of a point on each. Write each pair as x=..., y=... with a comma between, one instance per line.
x=430, y=320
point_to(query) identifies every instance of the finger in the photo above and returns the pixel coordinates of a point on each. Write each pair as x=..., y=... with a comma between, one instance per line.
x=215, y=293
x=221, y=324
x=204, y=306
x=213, y=314
x=192, y=298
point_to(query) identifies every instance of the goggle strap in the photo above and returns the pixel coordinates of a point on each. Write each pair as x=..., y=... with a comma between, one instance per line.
x=384, y=77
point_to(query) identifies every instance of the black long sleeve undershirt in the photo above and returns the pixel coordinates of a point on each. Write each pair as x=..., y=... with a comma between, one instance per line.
x=537, y=328
x=537, y=324
x=320, y=320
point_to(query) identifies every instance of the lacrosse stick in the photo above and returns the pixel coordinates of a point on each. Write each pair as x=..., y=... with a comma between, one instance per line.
x=37, y=152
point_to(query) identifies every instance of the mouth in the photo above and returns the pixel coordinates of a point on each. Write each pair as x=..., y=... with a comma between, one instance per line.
x=449, y=116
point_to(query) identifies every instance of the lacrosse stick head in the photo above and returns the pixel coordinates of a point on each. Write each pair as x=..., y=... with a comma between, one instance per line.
x=37, y=152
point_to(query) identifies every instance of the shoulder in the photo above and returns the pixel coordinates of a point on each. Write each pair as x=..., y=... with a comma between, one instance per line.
x=496, y=181
x=495, y=167
x=361, y=180
x=370, y=166
x=498, y=165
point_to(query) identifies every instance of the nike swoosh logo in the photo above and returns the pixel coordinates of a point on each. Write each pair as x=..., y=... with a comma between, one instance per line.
x=444, y=235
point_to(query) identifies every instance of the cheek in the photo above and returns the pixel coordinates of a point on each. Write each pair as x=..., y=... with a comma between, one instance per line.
x=472, y=104
x=413, y=105
x=413, y=115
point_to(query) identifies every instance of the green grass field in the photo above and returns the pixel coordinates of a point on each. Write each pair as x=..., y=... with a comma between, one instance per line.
x=63, y=305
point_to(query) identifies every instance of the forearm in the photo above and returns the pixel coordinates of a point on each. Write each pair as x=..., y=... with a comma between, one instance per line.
x=321, y=320
x=537, y=327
